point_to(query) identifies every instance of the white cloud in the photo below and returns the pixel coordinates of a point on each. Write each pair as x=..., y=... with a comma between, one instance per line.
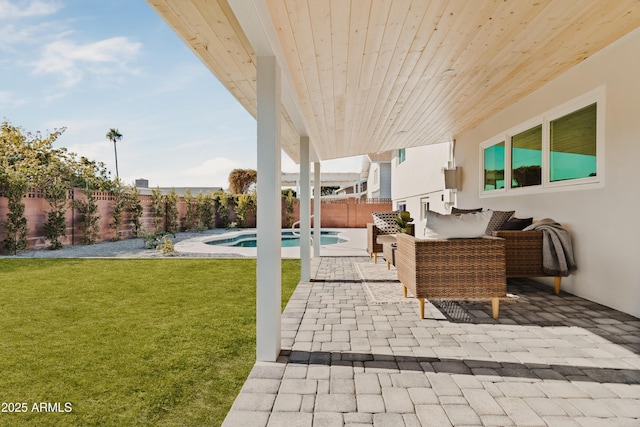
x=98, y=151
x=22, y=38
x=72, y=61
x=9, y=100
x=167, y=173
x=23, y=9
x=214, y=171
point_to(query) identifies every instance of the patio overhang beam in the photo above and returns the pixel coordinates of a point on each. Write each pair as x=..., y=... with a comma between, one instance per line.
x=255, y=21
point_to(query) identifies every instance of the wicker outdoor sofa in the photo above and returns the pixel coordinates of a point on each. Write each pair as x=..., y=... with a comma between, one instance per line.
x=452, y=269
x=523, y=252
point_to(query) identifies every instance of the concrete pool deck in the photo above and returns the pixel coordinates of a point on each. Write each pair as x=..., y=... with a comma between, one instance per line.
x=355, y=245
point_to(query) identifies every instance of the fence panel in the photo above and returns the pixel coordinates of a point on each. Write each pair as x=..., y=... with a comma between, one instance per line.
x=335, y=213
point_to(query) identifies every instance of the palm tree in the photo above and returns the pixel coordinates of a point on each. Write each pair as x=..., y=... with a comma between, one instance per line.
x=114, y=135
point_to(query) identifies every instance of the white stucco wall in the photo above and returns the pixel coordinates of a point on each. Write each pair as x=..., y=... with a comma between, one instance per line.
x=603, y=221
x=385, y=180
x=418, y=177
x=379, y=181
x=373, y=181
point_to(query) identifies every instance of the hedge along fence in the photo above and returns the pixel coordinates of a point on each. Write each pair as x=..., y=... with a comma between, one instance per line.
x=36, y=209
x=345, y=213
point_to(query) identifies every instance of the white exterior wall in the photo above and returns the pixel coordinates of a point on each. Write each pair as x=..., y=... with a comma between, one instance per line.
x=385, y=180
x=419, y=177
x=379, y=181
x=373, y=181
x=606, y=238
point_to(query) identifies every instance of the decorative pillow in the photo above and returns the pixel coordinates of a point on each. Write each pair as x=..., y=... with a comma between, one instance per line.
x=497, y=219
x=386, y=221
x=456, y=226
x=455, y=211
x=517, y=224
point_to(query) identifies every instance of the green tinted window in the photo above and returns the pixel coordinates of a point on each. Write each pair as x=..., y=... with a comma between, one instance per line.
x=526, y=158
x=402, y=155
x=573, y=145
x=494, y=167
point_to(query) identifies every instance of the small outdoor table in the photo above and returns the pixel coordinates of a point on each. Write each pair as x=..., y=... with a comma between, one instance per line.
x=389, y=253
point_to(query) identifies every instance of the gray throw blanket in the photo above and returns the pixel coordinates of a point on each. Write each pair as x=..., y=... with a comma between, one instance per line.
x=557, y=250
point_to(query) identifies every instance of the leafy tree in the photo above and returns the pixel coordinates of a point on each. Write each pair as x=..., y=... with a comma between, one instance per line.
x=90, y=175
x=171, y=200
x=241, y=180
x=26, y=161
x=115, y=136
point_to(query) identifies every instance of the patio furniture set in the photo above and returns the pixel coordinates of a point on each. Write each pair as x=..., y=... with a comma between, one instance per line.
x=469, y=254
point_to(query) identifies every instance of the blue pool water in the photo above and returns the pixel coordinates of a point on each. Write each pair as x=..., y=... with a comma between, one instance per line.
x=289, y=240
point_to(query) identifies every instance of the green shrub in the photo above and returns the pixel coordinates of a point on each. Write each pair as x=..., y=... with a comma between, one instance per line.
x=119, y=205
x=157, y=209
x=289, y=202
x=206, y=213
x=16, y=223
x=244, y=206
x=190, y=218
x=171, y=201
x=166, y=247
x=154, y=240
x=89, y=217
x=223, y=202
x=55, y=227
x=135, y=208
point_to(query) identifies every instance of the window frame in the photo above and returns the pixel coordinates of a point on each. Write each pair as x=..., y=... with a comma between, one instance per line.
x=424, y=207
x=498, y=139
x=402, y=155
x=528, y=125
x=596, y=96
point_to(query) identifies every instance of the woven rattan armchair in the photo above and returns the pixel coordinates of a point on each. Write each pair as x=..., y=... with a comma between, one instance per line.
x=524, y=254
x=374, y=242
x=452, y=269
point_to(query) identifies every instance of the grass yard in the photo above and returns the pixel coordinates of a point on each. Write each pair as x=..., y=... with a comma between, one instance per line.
x=162, y=342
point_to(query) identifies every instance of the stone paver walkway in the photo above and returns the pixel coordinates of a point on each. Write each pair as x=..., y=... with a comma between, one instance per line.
x=548, y=361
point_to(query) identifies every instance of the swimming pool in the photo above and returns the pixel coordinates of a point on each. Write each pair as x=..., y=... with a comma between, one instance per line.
x=289, y=240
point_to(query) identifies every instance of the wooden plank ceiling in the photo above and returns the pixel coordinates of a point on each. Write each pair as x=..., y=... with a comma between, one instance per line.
x=376, y=75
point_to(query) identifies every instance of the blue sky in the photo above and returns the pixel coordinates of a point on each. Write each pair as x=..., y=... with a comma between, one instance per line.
x=92, y=65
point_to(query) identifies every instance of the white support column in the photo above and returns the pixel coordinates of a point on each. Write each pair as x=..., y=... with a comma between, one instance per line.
x=317, y=187
x=305, y=211
x=269, y=213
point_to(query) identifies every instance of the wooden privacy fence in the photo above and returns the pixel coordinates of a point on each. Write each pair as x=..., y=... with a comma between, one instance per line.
x=335, y=213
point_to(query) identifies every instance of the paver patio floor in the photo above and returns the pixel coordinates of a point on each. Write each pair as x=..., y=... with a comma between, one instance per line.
x=350, y=360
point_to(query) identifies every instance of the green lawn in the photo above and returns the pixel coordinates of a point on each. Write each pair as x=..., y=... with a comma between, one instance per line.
x=163, y=342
